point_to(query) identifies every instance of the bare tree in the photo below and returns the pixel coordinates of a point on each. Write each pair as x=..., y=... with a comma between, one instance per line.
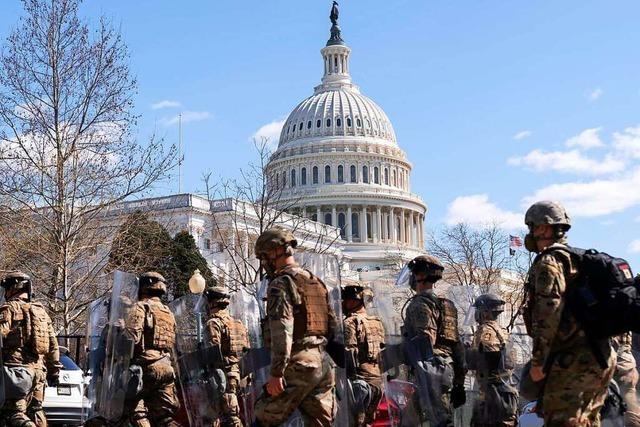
x=479, y=260
x=68, y=152
x=256, y=203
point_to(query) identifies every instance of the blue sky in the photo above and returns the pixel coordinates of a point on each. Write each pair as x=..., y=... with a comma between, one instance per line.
x=496, y=103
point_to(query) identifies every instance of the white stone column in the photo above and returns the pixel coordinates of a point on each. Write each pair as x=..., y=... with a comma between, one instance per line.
x=413, y=232
x=333, y=216
x=304, y=211
x=378, y=222
x=364, y=221
x=349, y=225
x=392, y=224
x=319, y=214
x=403, y=228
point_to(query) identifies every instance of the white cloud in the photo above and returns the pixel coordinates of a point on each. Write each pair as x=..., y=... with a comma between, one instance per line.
x=478, y=210
x=270, y=131
x=522, y=135
x=634, y=246
x=165, y=104
x=187, y=117
x=595, y=198
x=586, y=139
x=627, y=142
x=595, y=94
x=567, y=162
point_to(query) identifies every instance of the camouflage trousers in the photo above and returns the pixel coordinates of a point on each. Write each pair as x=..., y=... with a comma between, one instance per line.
x=367, y=416
x=229, y=406
x=496, y=406
x=576, y=389
x=158, y=402
x=309, y=387
x=627, y=380
x=27, y=411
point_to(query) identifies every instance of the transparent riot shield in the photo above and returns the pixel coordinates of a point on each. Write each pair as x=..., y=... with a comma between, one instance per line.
x=199, y=364
x=98, y=318
x=2, y=301
x=112, y=386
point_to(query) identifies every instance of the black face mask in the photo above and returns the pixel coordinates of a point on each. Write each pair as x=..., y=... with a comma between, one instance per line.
x=531, y=242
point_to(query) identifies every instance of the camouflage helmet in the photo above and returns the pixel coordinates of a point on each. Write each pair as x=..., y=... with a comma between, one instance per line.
x=489, y=302
x=16, y=280
x=352, y=289
x=426, y=264
x=152, y=281
x=218, y=294
x=273, y=238
x=547, y=212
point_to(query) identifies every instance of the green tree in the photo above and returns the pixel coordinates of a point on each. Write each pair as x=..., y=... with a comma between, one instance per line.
x=185, y=259
x=140, y=245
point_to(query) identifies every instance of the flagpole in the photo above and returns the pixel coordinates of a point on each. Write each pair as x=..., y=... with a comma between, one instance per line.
x=180, y=153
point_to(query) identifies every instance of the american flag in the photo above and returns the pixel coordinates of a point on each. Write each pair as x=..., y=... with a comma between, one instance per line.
x=515, y=242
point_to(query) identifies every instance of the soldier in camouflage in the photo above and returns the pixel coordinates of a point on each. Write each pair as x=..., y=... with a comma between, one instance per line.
x=299, y=323
x=231, y=336
x=575, y=384
x=626, y=375
x=364, y=338
x=29, y=353
x=152, y=327
x=489, y=357
x=434, y=320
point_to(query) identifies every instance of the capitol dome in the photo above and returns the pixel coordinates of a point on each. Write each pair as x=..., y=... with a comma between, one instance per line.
x=338, y=163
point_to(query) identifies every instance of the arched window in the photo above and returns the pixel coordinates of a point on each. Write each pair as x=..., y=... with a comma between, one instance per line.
x=342, y=224
x=393, y=178
x=327, y=219
x=300, y=127
x=309, y=124
x=284, y=180
x=359, y=122
x=352, y=171
x=303, y=176
x=328, y=123
x=293, y=177
x=376, y=175
x=319, y=123
x=315, y=174
x=365, y=174
x=349, y=121
x=355, y=225
x=386, y=176
x=367, y=122
x=369, y=226
x=340, y=173
x=327, y=174
x=314, y=217
x=338, y=122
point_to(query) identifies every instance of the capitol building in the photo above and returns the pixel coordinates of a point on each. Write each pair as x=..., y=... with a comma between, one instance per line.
x=338, y=161
x=339, y=174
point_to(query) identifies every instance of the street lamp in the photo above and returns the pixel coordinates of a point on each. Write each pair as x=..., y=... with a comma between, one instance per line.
x=196, y=283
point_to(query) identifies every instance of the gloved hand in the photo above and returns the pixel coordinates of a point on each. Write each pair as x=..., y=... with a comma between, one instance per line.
x=458, y=395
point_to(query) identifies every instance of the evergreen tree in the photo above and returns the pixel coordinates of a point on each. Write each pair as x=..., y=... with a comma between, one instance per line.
x=186, y=258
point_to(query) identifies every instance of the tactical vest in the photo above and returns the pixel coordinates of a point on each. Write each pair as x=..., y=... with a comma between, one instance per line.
x=159, y=327
x=29, y=328
x=311, y=317
x=374, y=334
x=448, y=328
x=236, y=337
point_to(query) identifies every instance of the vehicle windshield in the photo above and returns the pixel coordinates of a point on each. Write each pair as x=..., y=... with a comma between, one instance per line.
x=68, y=364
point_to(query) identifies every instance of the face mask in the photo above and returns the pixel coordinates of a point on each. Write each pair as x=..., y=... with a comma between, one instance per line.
x=269, y=267
x=531, y=243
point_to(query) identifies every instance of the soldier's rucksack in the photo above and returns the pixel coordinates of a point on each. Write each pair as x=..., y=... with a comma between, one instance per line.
x=36, y=327
x=604, y=298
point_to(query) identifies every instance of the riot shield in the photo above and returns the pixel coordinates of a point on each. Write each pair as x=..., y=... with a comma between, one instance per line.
x=98, y=318
x=198, y=363
x=2, y=393
x=106, y=328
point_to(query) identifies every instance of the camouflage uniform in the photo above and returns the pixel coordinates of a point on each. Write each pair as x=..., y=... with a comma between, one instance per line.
x=364, y=338
x=626, y=375
x=231, y=336
x=436, y=319
x=299, y=322
x=152, y=327
x=575, y=384
x=497, y=403
x=29, y=344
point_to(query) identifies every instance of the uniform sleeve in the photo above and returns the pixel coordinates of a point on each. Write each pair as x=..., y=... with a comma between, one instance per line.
x=549, y=288
x=488, y=340
x=135, y=323
x=5, y=320
x=280, y=318
x=52, y=358
x=214, y=332
x=424, y=319
x=351, y=343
